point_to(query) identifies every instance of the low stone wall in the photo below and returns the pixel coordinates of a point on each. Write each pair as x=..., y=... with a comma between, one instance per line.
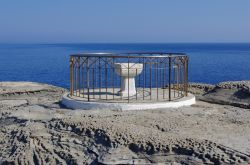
x=242, y=85
x=199, y=88
x=234, y=84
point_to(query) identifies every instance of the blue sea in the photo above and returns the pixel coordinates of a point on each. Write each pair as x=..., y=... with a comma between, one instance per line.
x=49, y=63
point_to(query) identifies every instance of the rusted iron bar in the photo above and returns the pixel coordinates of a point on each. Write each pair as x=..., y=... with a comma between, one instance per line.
x=186, y=77
x=169, y=79
x=87, y=70
x=71, y=75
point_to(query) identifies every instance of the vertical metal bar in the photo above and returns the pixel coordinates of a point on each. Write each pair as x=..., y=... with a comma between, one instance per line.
x=178, y=78
x=183, y=72
x=164, y=79
x=135, y=84
x=113, y=77
x=144, y=76
x=160, y=75
x=186, y=61
x=174, y=77
x=169, y=76
x=140, y=75
x=182, y=77
x=128, y=78
x=87, y=70
x=75, y=82
x=106, y=78
x=82, y=79
x=100, y=79
x=121, y=83
x=78, y=77
x=93, y=80
x=96, y=77
x=71, y=76
x=75, y=77
x=150, y=80
x=156, y=74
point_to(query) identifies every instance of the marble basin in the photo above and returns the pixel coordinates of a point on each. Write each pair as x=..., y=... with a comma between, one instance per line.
x=128, y=72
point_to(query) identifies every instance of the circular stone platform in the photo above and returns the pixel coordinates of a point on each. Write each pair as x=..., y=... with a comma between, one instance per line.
x=109, y=101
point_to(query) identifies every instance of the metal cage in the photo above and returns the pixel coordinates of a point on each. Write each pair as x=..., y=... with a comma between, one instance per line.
x=129, y=77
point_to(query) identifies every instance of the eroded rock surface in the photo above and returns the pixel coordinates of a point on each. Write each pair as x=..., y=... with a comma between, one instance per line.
x=236, y=93
x=36, y=130
x=33, y=93
x=199, y=88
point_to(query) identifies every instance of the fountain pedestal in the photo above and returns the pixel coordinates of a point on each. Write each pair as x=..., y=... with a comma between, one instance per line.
x=128, y=72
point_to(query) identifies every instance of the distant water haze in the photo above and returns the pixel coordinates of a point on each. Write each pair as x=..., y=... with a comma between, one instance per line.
x=49, y=63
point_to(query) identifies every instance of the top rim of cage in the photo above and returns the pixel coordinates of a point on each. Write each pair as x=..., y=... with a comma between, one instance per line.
x=131, y=54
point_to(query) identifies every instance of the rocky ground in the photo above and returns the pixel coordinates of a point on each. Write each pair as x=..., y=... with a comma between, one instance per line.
x=235, y=93
x=36, y=129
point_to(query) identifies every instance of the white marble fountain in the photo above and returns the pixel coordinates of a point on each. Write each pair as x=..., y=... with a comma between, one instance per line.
x=128, y=72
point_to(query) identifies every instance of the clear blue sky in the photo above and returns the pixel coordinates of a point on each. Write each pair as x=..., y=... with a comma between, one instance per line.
x=29, y=21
